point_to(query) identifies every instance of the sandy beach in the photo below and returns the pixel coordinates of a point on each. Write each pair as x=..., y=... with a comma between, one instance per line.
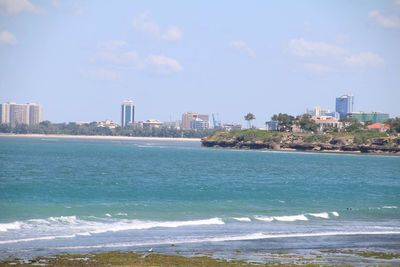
x=102, y=137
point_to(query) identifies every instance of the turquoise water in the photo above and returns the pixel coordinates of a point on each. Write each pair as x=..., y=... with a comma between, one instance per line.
x=84, y=195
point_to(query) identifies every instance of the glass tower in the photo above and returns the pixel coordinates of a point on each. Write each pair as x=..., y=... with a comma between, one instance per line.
x=344, y=105
x=128, y=113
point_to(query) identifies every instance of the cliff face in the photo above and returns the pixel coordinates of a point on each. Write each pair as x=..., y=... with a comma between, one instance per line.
x=258, y=139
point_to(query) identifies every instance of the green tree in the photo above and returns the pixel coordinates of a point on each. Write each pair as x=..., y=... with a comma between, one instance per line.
x=306, y=123
x=285, y=121
x=351, y=124
x=394, y=124
x=249, y=117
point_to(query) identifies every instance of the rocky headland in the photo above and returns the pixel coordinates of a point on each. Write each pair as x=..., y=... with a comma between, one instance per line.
x=357, y=143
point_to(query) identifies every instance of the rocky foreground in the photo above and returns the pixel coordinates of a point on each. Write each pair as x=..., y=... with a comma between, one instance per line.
x=361, y=142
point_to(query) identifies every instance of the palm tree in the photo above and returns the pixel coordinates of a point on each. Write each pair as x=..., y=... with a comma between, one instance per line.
x=249, y=117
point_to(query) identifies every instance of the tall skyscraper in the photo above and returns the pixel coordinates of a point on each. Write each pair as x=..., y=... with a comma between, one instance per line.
x=19, y=114
x=13, y=114
x=344, y=105
x=5, y=113
x=35, y=113
x=128, y=113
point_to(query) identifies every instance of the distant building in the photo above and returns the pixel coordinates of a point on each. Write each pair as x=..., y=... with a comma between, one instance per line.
x=318, y=111
x=127, y=113
x=327, y=121
x=13, y=114
x=344, y=105
x=232, y=126
x=372, y=116
x=188, y=117
x=108, y=124
x=5, y=113
x=272, y=125
x=152, y=123
x=35, y=113
x=378, y=126
x=199, y=124
x=173, y=124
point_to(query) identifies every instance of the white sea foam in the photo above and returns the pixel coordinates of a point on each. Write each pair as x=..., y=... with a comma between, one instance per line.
x=389, y=207
x=121, y=214
x=108, y=214
x=75, y=226
x=264, y=218
x=254, y=236
x=242, y=219
x=291, y=218
x=9, y=226
x=334, y=213
x=324, y=215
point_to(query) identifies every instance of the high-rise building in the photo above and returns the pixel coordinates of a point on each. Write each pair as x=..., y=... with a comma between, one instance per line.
x=19, y=114
x=35, y=113
x=127, y=113
x=13, y=114
x=5, y=113
x=187, y=118
x=199, y=124
x=344, y=105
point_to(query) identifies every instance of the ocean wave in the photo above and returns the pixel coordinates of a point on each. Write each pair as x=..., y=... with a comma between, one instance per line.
x=9, y=226
x=242, y=219
x=389, y=207
x=289, y=218
x=75, y=226
x=254, y=236
x=324, y=215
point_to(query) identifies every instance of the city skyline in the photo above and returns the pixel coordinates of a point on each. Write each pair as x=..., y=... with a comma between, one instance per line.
x=169, y=60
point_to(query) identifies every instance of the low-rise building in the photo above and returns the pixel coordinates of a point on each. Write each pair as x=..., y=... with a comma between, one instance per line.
x=231, y=126
x=152, y=123
x=108, y=124
x=373, y=117
x=327, y=121
x=381, y=127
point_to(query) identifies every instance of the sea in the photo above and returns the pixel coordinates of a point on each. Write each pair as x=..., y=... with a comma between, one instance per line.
x=176, y=197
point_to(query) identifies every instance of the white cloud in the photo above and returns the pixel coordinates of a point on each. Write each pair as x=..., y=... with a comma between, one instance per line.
x=143, y=24
x=386, y=22
x=317, y=68
x=115, y=54
x=241, y=45
x=14, y=7
x=103, y=75
x=365, y=60
x=303, y=48
x=163, y=65
x=7, y=38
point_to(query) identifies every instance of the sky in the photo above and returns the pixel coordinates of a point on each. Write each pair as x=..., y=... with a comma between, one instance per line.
x=81, y=59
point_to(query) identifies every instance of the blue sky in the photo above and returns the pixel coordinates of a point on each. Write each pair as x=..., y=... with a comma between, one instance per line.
x=80, y=59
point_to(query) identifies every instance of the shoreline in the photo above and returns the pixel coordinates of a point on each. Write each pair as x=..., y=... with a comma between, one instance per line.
x=348, y=257
x=291, y=150
x=102, y=137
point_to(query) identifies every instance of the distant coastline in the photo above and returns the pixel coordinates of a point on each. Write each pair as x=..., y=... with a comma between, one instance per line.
x=365, y=143
x=101, y=137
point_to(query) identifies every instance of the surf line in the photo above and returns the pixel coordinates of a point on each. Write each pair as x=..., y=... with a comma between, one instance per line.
x=255, y=236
